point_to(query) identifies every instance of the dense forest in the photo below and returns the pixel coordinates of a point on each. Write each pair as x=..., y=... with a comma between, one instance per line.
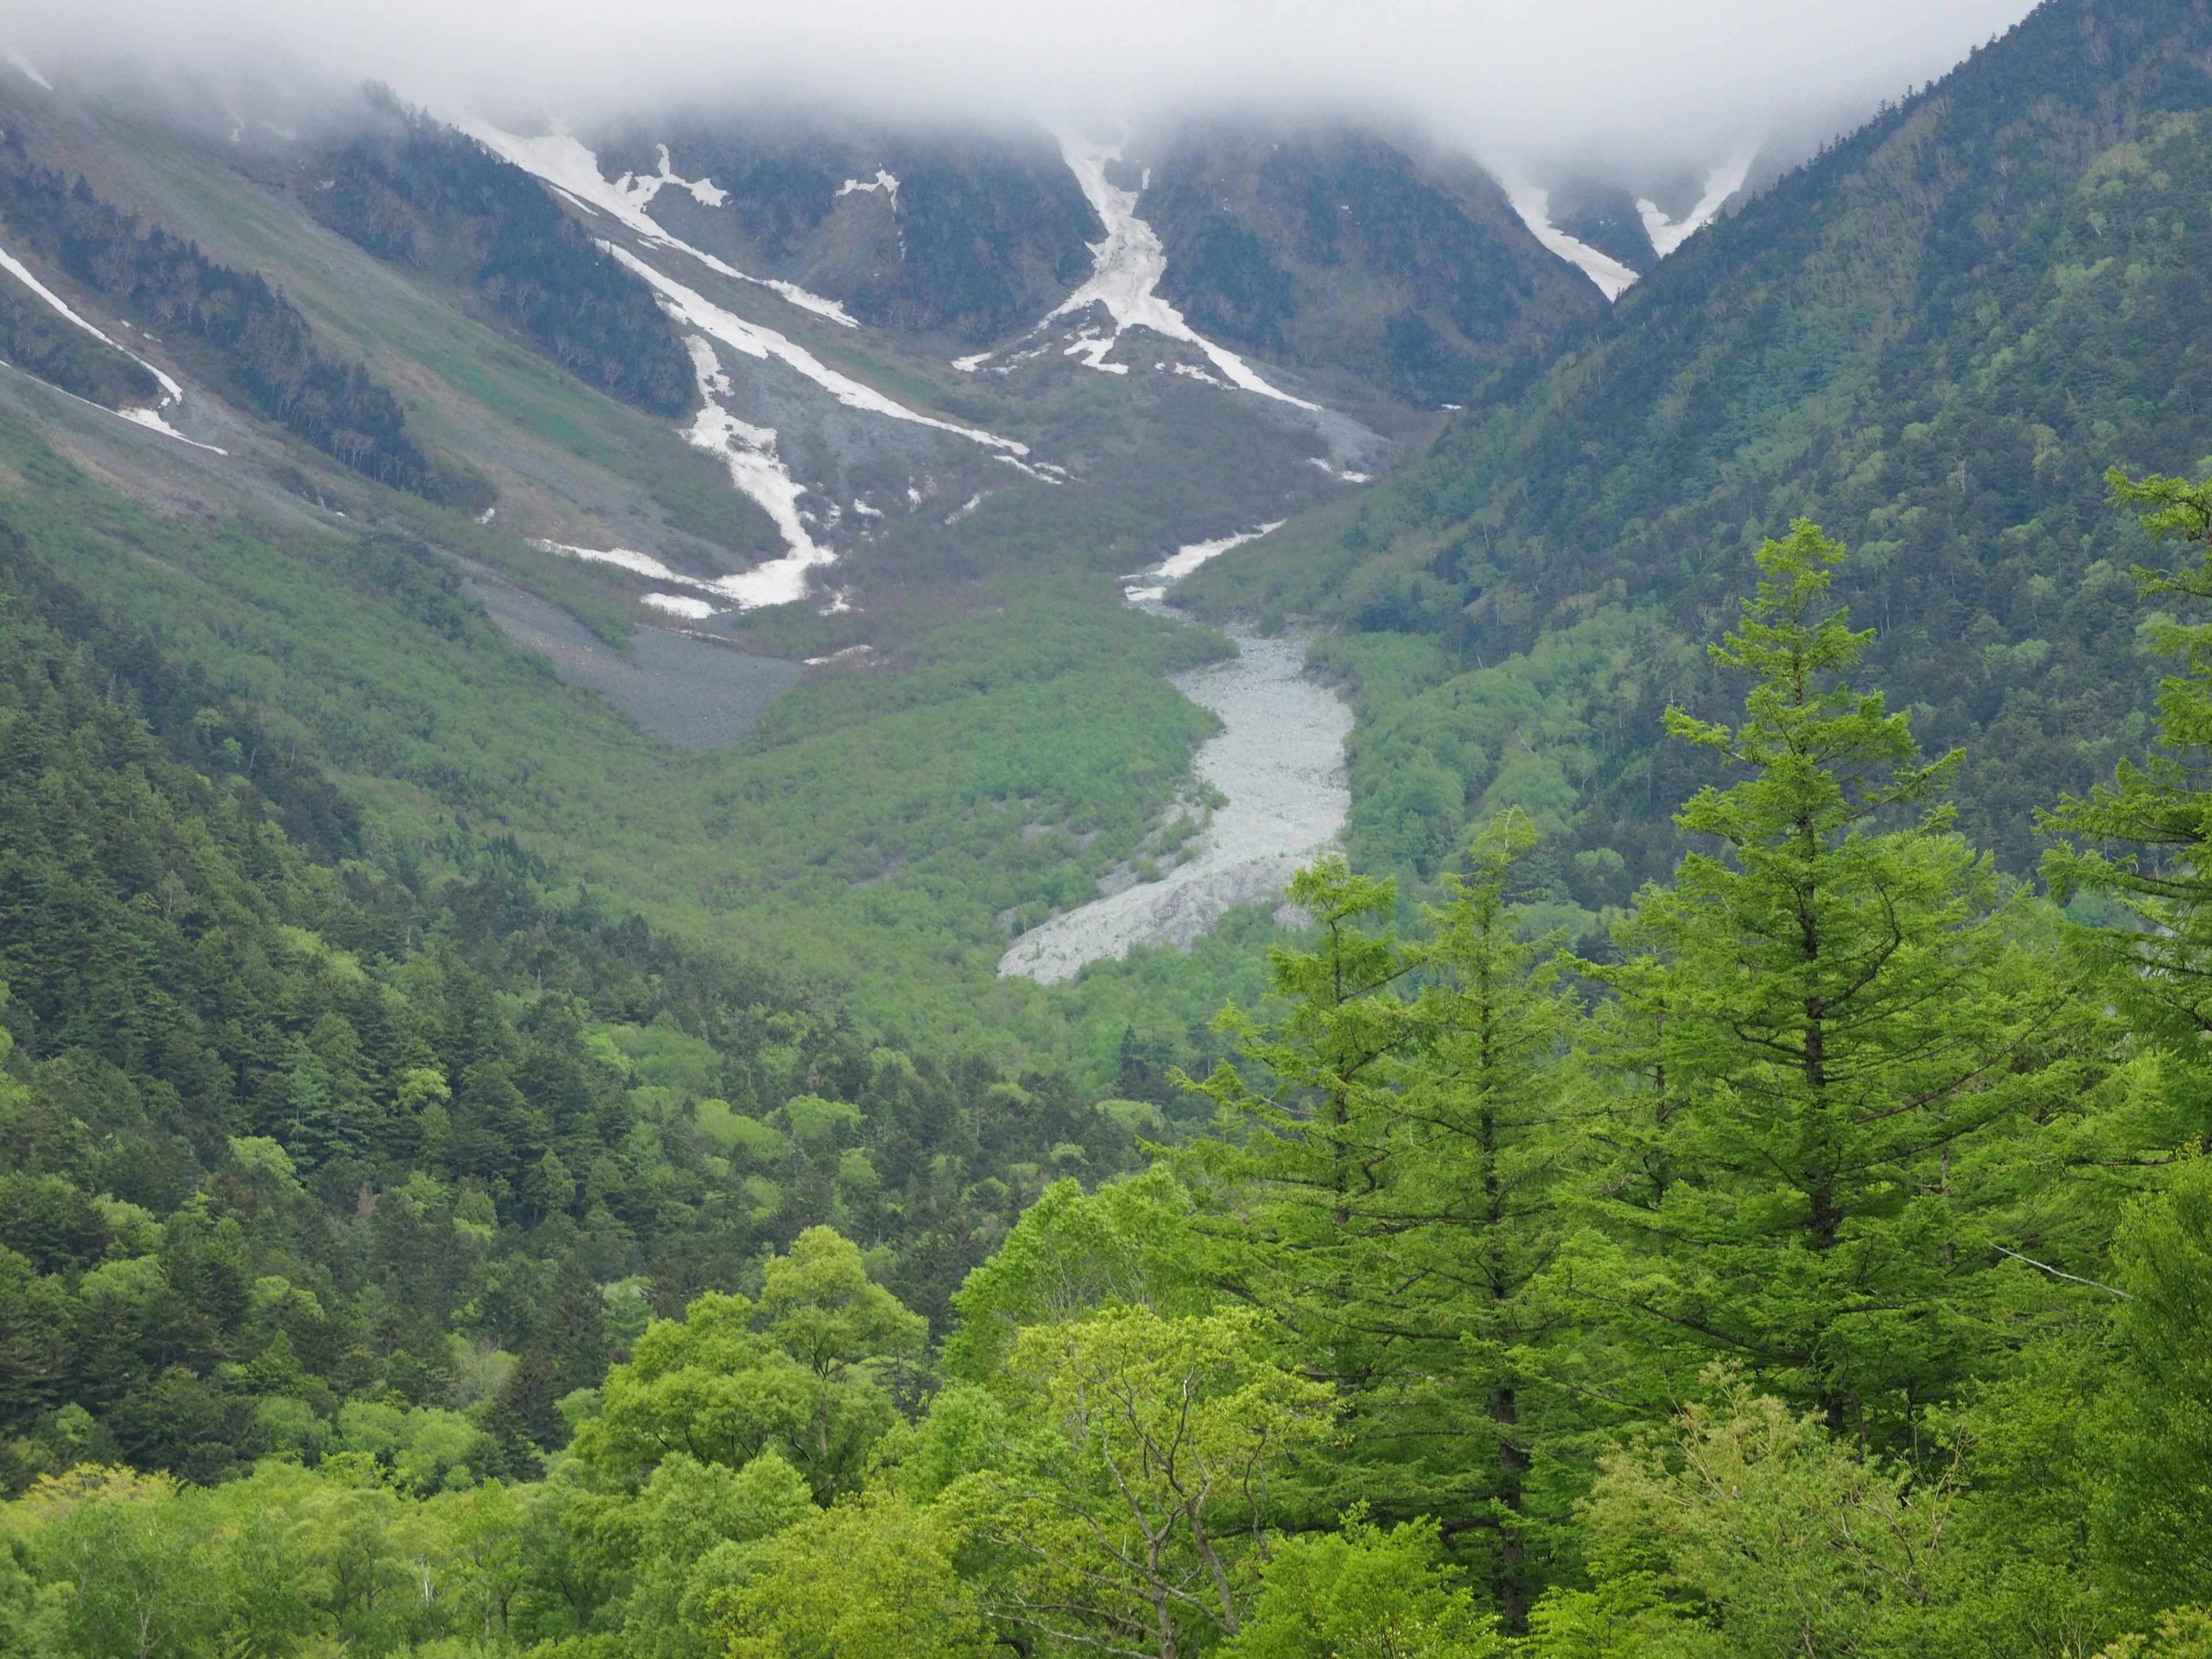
x=280, y=1128
x=415, y=190
x=1822, y=1271
x=247, y=339
x=1934, y=339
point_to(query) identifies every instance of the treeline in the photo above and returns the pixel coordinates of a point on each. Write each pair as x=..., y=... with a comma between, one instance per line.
x=302, y=1148
x=1822, y=1273
x=416, y=191
x=231, y=326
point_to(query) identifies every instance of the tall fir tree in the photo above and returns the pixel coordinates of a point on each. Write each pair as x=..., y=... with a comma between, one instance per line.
x=1405, y=1138
x=1819, y=1023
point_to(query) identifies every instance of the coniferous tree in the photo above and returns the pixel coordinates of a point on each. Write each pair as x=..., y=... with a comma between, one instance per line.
x=1397, y=1201
x=1827, y=1012
x=2159, y=810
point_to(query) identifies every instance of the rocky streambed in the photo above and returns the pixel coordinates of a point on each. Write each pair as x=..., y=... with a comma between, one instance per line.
x=1278, y=758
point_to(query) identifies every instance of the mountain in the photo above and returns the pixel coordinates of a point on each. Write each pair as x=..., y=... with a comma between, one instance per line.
x=1934, y=339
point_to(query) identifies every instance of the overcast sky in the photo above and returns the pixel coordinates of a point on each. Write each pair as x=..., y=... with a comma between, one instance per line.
x=1520, y=82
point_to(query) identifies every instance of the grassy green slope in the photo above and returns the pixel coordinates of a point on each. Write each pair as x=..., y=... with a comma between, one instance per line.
x=1933, y=339
x=964, y=783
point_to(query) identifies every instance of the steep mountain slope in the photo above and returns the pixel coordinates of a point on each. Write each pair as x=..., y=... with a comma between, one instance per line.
x=853, y=691
x=1360, y=262
x=966, y=235
x=1934, y=339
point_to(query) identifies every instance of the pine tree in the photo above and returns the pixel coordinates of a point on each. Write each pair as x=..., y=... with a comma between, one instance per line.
x=1823, y=1015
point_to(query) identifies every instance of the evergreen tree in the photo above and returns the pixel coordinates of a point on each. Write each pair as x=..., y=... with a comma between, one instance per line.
x=1394, y=1193
x=1826, y=1014
x=2157, y=809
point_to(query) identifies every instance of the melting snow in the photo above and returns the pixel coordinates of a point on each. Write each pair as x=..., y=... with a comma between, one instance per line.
x=1534, y=204
x=749, y=452
x=171, y=392
x=1722, y=182
x=885, y=180
x=1126, y=271
x=19, y=61
x=1184, y=560
x=563, y=162
x=1344, y=474
x=677, y=604
x=756, y=341
x=152, y=422
x=642, y=187
x=638, y=564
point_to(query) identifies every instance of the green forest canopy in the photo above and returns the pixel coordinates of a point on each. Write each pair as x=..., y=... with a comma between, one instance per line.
x=1822, y=1271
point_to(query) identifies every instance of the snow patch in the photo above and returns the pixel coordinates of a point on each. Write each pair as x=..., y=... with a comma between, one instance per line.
x=623, y=558
x=1533, y=204
x=678, y=604
x=17, y=60
x=757, y=473
x=758, y=342
x=1184, y=560
x=154, y=423
x=561, y=160
x=171, y=392
x=641, y=188
x=885, y=180
x=1722, y=182
x=1342, y=474
x=1126, y=272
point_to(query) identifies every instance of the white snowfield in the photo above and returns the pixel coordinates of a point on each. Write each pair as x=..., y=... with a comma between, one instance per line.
x=1280, y=759
x=563, y=162
x=756, y=472
x=171, y=392
x=1126, y=271
x=1533, y=204
x=759, y=474
x=1154, y=583
x=763, y=342
x=1722, y=182
x=885, y=180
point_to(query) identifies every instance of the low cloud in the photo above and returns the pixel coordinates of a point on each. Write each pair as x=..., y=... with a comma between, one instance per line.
x=1665, y=82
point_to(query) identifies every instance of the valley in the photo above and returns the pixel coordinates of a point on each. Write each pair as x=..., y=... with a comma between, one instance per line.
x=769, y=864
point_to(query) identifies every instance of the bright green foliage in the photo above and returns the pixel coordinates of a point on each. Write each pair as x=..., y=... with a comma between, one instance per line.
x=1825, y=1017
x=1765, y=1529
x=1129, y=1504
x=869, y=1579
x=796, y=1374
x=1365, y=1593
x=1073, y=1252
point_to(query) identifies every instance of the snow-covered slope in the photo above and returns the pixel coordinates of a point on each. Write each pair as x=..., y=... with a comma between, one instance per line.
x=1125, y=282
x=1722, y=182
x=1533, y=204
x=560, y=160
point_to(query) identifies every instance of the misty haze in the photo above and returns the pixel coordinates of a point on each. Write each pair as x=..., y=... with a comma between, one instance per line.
x=1189, y=832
